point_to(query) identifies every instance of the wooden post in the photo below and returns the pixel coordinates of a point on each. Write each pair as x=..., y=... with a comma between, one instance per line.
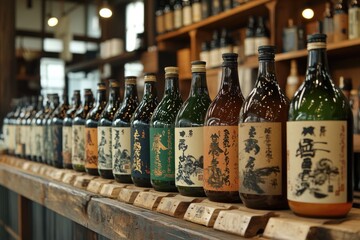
x=7, y=55
x=24, y=218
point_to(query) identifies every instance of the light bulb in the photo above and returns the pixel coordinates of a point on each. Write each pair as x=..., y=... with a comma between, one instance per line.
x=308, y=13
x=105, y=12
x=52, y=21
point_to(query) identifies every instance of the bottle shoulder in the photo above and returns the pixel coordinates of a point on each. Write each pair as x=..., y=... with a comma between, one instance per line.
x=193, y=111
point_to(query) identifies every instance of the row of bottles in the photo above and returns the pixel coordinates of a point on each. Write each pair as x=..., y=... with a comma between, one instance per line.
x=265, y=150
x=257, y=34
x=174, y=14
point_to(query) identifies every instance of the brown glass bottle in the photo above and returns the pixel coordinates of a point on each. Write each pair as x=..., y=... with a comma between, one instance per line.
x=221, y=175
x=91, y=124
x=262, y=139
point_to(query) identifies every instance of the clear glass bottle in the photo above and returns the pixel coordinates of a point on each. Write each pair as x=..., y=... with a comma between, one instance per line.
x=262, y=34
x=341, y=21
x=319, y=142
x=120, y=132
x=189, y=147
x=354, y=19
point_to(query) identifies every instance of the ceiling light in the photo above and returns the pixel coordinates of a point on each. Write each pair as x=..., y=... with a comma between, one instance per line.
x=308, y=13
x=52, y=21
x=105, y=10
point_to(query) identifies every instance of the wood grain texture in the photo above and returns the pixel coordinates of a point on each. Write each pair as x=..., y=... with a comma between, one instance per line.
x=112, y=190
x=151, y=199
x=96, y=184
x=176, y=206
x=83, y=181
x=129, y=194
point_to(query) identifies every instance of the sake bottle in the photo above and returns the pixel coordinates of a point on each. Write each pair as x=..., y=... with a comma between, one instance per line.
x=49, y=144
x=162, y=129
x=221, y=174
x=319, y=141
x=78, y=132
x=104, y=131
x=91, y=124
x=262, y=139
x=41, y=123
x=189, y=147
x=67, y=129
x=120, y=132
x=140, y=135
x=27, y=122
x=35, y=129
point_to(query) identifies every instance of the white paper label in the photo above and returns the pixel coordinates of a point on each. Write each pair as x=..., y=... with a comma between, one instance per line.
x=121, y=150
x=104, y=148
x=78, y=145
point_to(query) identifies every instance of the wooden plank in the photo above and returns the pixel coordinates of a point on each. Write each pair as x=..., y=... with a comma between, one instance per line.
x=83, y=181
x=58, y=174
x=69, y=178
x=129, y=194
x=176, y=206
x=24, y=212
x=96, y=184
x=247, y=223
x=40, y=169
x=348, y=229
x=26, y=165
x=112, y=190
x=151, y=199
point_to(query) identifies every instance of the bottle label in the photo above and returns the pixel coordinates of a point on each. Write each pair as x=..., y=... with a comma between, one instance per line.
x=249, y=46
x=221, y=163
x=140, y=152
x=196, y=12
x=169, y=21
x=57, y=143
x=78, y=145
x=160, y=28
x=121, y=150
x=45, y=142
x=187, y=18
x=25, y=139
x=216, y=7
x=189, y=156
x=354, y=23
x=178, y=18
x=38, y=146
x=104, y=148
x=340, y=27
x=226, y=49
x=317, y=161
x=260, y=158
x=18, y=146
x=260, y=41
x=91, y=148
x=11, y=137
x=66, y=141
x=162, y=163
x=214, y=57
x=31, y=141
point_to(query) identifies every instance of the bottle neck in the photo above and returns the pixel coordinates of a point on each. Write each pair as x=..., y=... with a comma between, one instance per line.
x=88, y=100
x=40, y=105
x=101, y=96
x=114, y=95
x=198, y=83
x=149, y=90
x=130, y=91
x=317, y=59
x=65, y=100
x=267, y=70
x=77, y=101
x=171, y=85
x=230, y=78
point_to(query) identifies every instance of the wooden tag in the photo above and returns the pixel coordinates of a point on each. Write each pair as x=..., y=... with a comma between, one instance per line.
x=244, y=223
x=112, y=190
x=204, y=213
x=129, y=194
x=176, y=206
x=151, y=199
x=69, y=177
x=96, y=184
x=83, y=181
x=36, y=168
x=58, y=174
x=347, y=229
x=18, y=163
x=49, y=172
x=26, y=165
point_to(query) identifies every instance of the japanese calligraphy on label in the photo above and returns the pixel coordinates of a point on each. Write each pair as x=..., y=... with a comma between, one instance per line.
x=104, y=148
x=140, y=152
x=189, y=156
x=121, y=150
x=78, y=146
x=38, y=146
x=57, y=143
x=91, y=148
x=221, y=163
x=317, y=161
x=260, y=158
x=162, y=163
x=66, y=142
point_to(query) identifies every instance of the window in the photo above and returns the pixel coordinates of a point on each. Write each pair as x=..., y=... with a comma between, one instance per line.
x=52, y=76
x=134, y=23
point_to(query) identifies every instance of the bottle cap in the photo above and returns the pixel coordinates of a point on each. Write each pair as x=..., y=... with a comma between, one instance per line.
x=76, y=91
x=171, y=71
x=114, y=83
x=101, y=86
x=266, y=52
x=230, y=57
x=150, y=77
x=88, y=91
x=316, y=41
x=130, y=80
x=198, y=66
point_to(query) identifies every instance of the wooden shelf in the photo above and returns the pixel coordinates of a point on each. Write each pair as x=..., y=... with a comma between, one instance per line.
x=228, y=18
x=95, y=63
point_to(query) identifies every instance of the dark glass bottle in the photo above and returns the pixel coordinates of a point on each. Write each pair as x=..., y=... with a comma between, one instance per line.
x=227, y=4
x=78, y=132
x=262, y=139
x=91, y=134
x=162, y=130
x=140, y=133
x=49, y=152
x=249, y=42
x=189, y=147
x=169, y=15
x=27, y=128
x=160, y=19
x=341, y=21
x=67, y=129
x=226, y=42
x=262, y=34
x=205, y=8
x=41, y=123
x=120, y=133
x=20, y=134
x=57, y=130
x=215, y=54
x=36, y=130
x=354, y=19
x=217, y=7
x=319, y=141
x=221, y=174
x=104, y=131
x=12, y=127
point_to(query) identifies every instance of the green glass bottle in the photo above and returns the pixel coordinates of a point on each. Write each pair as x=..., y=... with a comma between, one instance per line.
x=262, y=139
x=120, y=133
x=162, y=134
x=78, y=132
x=189, y=147
x=140, y=133
x=319, y=141
x=67, y=129
x=91, y=135
x=104, y=131
x=49, y=143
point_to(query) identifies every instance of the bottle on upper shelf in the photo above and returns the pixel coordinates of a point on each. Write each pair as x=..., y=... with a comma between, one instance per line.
x=249, y=42
x=206, y=8
x=205, y=52
x=160, y=21
x=221, y=174
x=262, y=139
x=293, y=37
x=140, y=135
x=49, y=151
x=354, y=19
x=227, y=4
x=178, y=14
x=91, y=133
x=262, y=33
x=189, y=135
x=319, y=141
x=196, y=11
x=328, y=22
x=217, y=7
x=169, y=15
x=226, y=42
x=354, y=104
x=341, y=26
x=104, y=131
x=35, y=129
x=215, y=54
x=41, y=122
x=120, y=132
x=345, y=85
x=292, y=81
x=187, y=12
x=31, y=111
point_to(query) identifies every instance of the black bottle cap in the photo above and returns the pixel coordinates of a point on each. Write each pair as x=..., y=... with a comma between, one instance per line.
x=230, y=57
x=317, y=37
x=101, y=86
x=266, y=52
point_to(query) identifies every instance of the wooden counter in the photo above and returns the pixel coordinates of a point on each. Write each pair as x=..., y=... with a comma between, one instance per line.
x=124, y=212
